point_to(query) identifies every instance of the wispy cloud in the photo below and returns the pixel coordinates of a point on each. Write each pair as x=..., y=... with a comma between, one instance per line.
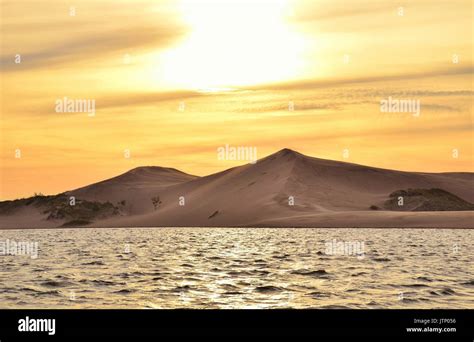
x=325, y=83
x=98, y=45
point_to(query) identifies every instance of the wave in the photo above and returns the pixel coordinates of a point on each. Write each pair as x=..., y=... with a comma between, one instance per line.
x=316, y=273
x=268, y=288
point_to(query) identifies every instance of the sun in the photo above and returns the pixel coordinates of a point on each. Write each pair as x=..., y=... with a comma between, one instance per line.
x=233, y=43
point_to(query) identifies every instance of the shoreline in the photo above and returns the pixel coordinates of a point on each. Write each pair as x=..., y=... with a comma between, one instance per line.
x=237, y=227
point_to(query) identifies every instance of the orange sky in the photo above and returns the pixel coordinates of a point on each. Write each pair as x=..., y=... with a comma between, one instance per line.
x=175, y=80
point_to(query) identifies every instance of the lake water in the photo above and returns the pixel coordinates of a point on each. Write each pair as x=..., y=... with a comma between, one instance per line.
x=238, y=268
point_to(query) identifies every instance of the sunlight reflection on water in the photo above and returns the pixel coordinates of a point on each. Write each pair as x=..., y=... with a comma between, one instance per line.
x=239, y=268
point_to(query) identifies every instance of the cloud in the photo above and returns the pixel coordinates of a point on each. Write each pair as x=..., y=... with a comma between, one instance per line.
x=120, y=100
x=326, y=83
x=367, y=15
x=131, y=100
x=47, y=35
x=439, y=108
x=95, y=46
x=311, y=11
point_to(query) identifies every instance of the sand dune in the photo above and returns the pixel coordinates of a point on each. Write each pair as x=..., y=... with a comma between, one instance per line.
x=136, y=187
x=284, y=189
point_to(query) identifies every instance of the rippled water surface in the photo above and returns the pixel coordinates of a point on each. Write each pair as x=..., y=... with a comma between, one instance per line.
x=239, y=268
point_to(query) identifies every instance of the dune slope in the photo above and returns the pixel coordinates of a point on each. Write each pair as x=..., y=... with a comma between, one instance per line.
x=283, y=189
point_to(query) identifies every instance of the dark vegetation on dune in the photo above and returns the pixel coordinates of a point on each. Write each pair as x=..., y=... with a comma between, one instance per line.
x=213, y=214
x=58, y=207
x=426, y=200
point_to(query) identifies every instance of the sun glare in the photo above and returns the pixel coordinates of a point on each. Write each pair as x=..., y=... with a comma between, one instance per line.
x=233, y=43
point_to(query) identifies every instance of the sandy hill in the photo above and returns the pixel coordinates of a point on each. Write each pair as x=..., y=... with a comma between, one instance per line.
x=284, y=189
x=135, y=187
x=259, y=194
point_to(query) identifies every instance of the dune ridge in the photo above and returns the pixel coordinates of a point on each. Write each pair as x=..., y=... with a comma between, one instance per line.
x=285, y=189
